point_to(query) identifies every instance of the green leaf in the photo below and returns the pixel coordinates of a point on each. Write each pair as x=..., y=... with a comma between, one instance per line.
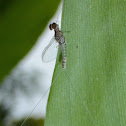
x=92, y=89
x=30, y=122
x=21, y=22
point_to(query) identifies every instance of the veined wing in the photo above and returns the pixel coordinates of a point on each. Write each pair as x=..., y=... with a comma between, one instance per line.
x=50, y=52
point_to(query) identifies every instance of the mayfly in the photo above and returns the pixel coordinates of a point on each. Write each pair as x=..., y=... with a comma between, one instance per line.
x=50, y=52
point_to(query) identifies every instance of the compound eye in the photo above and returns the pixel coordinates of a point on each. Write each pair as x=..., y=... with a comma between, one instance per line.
x=53, y=25
x=50, y=26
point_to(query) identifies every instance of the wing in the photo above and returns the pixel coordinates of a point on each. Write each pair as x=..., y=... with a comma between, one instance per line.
x=50, y=52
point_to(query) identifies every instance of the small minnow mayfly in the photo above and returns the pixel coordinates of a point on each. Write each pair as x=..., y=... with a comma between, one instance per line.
x=50, y=52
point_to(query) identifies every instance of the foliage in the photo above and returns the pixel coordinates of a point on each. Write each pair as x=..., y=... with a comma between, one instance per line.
x=30, y=122
x=21, y=22
x=92, y=89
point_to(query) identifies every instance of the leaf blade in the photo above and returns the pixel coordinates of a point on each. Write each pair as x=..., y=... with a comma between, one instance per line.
x=93, y=93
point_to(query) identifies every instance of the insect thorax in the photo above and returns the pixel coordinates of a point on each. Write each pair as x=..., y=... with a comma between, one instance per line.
x=59, y=37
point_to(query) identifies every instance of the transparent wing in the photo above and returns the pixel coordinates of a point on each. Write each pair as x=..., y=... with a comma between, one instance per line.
x=50, y=52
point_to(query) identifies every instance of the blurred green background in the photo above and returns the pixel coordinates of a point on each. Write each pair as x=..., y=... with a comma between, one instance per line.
x=21, y=23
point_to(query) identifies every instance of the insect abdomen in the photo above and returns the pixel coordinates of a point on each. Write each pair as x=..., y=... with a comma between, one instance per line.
x=64, y=55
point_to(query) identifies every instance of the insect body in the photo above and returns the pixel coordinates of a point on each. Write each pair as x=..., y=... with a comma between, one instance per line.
x=50, y=52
